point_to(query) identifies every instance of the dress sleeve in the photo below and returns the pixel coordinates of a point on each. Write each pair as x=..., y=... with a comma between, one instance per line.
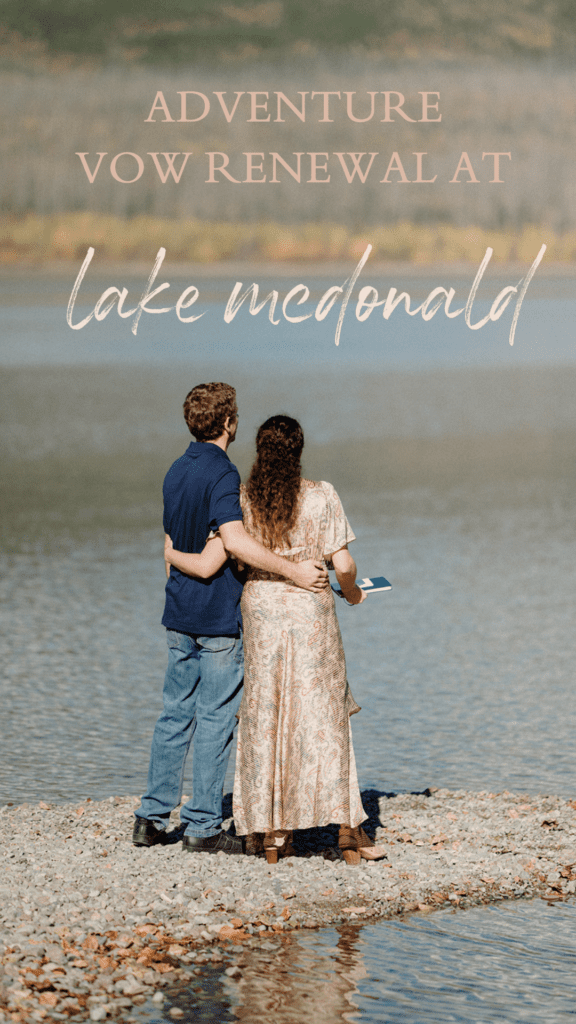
x=338, y=530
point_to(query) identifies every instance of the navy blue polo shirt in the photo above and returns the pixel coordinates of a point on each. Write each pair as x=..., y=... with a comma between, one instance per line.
x=201, y=492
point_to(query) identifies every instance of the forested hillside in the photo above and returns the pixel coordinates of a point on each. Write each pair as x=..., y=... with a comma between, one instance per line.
x=174, y=31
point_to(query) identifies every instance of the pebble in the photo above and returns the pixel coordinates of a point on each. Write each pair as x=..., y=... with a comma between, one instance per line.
x=91, y=926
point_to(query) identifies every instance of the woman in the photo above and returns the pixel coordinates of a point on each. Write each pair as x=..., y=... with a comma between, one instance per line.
x=295, y=765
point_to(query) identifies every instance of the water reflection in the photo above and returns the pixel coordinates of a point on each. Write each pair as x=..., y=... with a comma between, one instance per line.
x=293, y=979
x=301, y=981
x=512, y=963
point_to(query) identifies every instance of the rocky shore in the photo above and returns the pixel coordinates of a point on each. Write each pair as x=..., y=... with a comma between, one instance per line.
x=93, y=928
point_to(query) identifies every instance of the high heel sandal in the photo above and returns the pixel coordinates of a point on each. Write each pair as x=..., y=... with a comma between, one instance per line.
x=355, y=844
x=278, y=844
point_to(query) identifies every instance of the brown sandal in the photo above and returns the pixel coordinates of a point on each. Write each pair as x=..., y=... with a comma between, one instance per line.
x=278, y=844
x=354, y=844
x=255, y=844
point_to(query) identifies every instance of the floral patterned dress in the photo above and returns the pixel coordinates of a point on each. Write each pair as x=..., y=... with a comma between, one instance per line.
x=295, y=765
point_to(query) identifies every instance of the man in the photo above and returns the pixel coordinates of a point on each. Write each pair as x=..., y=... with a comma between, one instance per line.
x=204, y=629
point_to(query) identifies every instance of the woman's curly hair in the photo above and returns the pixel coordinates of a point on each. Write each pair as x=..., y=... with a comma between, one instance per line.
x=274, y=482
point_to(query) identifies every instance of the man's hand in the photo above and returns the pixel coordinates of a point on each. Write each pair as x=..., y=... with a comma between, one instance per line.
x=167, y=548
x=310, y=575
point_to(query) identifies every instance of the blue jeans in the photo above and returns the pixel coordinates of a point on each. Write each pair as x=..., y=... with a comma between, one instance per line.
x=202, y=691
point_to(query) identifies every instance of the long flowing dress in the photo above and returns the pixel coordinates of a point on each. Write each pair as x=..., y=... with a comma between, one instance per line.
x=295, y=765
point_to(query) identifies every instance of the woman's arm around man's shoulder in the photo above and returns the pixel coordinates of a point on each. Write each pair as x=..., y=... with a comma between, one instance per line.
x=203, y=565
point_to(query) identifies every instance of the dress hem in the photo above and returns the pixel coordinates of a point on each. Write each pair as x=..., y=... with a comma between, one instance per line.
x=298, y=828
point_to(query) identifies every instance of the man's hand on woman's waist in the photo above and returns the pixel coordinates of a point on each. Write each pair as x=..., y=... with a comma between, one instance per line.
x=310, y=575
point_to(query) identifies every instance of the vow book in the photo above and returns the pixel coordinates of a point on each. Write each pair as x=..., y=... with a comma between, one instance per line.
x=372, y=585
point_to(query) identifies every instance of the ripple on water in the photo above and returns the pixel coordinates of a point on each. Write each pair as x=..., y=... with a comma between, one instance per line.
x=513, y=963
x=500, y=963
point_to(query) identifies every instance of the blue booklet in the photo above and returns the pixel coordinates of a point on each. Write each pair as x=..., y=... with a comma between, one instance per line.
x=376, y=583
x=372, y=585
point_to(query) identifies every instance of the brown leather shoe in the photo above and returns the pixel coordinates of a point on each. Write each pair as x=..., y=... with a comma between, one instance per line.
x=147, y=833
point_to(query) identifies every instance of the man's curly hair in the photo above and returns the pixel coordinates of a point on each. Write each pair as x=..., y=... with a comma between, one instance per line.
x=274, y=482
x=206, y=409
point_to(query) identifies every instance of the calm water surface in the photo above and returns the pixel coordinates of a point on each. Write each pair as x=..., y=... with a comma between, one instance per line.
x=511, y=963
x=459, y=485
x=464, y=670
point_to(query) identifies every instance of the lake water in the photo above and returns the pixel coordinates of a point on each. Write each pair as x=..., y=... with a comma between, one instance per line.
x=456, y=471
x=34, y=308
x=510, y=963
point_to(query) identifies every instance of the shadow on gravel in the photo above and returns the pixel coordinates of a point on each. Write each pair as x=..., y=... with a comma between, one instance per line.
x=316, y=840
x=174, y=836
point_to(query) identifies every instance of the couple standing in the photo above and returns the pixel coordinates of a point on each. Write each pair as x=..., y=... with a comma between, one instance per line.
x=295, y=764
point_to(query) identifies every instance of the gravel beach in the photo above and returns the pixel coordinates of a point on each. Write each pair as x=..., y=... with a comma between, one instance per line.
x=92, y=927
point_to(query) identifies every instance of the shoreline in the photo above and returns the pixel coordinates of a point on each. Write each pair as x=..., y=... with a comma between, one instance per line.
x=91, y=925
x=179, y=270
